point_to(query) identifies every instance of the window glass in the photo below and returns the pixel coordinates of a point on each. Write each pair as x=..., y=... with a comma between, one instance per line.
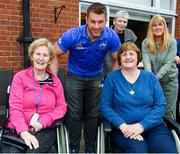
x=166, y=4
x=137, y=2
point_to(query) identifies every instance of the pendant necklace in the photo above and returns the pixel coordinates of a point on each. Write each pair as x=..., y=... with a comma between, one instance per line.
x=131, y=92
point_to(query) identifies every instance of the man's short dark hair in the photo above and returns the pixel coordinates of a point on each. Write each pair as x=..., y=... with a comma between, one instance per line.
x=97, y=8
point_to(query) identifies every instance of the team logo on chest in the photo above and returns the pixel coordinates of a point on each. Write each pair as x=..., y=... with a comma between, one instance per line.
x=79, y=46
x=103, y=46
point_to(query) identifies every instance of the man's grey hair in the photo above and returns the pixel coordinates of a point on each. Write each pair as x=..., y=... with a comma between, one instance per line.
x=123, y=14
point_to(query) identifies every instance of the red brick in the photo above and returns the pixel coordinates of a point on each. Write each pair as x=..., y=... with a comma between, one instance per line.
x=42, y=25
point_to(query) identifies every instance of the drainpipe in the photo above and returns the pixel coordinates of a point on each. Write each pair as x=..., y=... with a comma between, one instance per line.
x=26, y=39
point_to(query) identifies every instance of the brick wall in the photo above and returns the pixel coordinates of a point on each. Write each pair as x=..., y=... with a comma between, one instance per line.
x=177, y=29
x=10, y=28
x=41, y=23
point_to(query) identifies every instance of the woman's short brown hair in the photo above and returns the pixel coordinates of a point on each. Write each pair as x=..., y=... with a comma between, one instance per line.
x=128, y=46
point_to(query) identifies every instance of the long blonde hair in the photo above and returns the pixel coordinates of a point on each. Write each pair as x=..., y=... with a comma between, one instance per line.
x=156, y=20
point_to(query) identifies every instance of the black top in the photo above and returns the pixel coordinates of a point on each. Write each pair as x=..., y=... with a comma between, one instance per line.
x=48, y=80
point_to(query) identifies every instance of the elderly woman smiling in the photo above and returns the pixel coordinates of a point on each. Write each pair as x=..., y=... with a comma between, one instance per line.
x=36, y=101
x=133, y=102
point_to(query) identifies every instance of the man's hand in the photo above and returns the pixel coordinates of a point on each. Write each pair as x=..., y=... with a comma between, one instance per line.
x=116, y=66
x=54, y=65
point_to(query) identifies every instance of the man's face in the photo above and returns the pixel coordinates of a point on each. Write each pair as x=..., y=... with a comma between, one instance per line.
x=95, y=25
x=120, y=24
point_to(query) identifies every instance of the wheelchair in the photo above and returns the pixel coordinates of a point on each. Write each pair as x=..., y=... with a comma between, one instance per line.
x=106, y=145
x=5, y=82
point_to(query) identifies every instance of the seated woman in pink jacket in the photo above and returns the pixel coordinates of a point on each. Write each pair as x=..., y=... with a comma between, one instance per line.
x=36, y=101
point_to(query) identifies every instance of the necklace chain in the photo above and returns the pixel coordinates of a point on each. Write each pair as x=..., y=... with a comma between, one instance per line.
x=131, y=91
x=42, y=77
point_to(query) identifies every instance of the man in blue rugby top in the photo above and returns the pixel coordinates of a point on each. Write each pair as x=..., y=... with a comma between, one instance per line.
x=87, y=46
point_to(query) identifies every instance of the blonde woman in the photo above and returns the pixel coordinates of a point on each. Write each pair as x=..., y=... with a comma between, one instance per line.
x=159, y=52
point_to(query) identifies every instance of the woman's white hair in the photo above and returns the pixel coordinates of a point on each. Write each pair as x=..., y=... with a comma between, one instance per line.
x=123, y=14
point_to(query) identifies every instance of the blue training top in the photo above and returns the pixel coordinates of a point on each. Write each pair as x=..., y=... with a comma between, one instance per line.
x=86, y=57
x=146, y=106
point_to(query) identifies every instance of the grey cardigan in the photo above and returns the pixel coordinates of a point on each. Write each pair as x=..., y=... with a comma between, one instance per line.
x=162, y=63
x=129, y=35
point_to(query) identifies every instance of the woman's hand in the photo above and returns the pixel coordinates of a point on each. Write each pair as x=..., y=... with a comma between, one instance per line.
x=123, y=127
x=37, y=126
x=177, y=60
x=29, y=139
x=138, y=137
x=132, y=131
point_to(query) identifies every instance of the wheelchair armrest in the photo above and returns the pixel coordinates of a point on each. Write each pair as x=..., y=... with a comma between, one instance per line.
x=58, y=123
x=172, y=125
x=107, y=126
x=3, y=115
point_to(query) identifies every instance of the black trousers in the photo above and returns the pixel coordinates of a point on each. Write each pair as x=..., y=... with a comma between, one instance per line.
x=47, y=143
x=83, y=93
